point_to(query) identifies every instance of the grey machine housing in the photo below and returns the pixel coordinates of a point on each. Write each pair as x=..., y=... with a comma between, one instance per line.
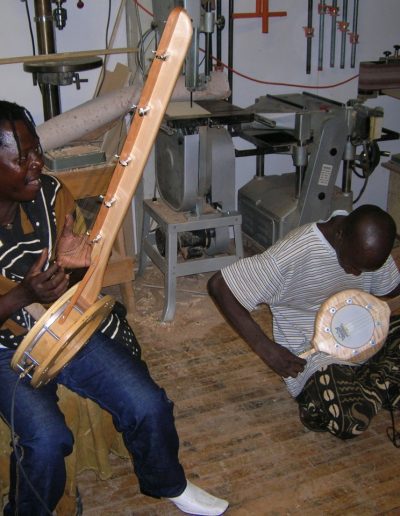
x=325, y=134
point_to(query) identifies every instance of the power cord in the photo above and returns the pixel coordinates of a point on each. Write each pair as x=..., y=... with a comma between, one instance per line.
x=392, y=433
x=103, y=68
x=28, y=15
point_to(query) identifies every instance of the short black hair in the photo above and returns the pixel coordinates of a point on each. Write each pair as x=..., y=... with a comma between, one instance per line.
x=369, y=214
x=10, y=112
x=369, y=228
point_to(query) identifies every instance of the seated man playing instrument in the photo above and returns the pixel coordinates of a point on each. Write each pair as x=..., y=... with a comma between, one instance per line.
x=37, y=245
x=294, y=277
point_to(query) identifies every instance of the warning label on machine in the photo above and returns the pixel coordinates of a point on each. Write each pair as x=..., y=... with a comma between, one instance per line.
x=325, y=175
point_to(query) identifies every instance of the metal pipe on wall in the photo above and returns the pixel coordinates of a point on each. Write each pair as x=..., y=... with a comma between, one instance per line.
x=46, y=45
x=309, y=35
x=354, y=34
x=321, y=8
x=219, y=34
x=344, y=25
x=230, y=48
x=334, y=11
x=208, y=40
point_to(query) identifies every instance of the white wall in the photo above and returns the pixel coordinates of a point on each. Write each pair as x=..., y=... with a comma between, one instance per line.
x=278, y=56
x=85, y=30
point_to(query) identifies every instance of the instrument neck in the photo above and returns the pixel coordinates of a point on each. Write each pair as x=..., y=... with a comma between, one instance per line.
x=142, y=133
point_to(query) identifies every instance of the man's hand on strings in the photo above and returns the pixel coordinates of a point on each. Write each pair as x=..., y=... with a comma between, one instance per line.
x=73, y=251
x=38, y=286
x=281, y=360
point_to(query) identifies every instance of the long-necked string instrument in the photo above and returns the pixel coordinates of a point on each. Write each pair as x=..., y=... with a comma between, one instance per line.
x=352, y=325
x=69, y=323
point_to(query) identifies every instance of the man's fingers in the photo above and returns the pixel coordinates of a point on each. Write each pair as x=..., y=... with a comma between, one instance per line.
x=40, y=262
x=68, y=224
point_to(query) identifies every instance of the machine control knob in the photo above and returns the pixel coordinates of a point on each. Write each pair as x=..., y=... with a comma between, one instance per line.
x=77, y=80
x=387, y=53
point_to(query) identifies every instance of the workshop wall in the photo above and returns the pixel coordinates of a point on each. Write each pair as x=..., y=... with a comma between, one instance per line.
x=85, y=30
x=278, y=56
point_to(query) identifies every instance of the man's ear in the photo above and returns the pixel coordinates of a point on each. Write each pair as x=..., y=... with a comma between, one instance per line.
x=338, y=237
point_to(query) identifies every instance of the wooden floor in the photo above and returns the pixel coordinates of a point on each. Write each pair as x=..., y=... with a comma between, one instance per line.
x=240, y=435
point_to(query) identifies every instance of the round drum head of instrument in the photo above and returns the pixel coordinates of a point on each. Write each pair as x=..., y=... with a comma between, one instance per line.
x=53, y=341
x=352, y=326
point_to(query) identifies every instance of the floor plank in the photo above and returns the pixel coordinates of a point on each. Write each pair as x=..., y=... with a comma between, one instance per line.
x=239, y=431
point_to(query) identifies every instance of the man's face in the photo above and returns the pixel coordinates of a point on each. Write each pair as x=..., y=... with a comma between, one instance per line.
x=19, y=172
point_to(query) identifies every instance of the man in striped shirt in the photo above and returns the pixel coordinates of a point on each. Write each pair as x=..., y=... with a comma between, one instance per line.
x=294, y=277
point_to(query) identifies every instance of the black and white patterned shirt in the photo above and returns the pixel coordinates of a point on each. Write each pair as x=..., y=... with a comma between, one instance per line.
x=34, y=228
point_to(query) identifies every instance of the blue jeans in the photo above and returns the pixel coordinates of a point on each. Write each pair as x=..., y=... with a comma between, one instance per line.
x=105, y=372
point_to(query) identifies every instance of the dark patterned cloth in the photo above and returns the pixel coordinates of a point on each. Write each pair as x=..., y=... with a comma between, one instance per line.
x=117, y=328
x=343, y=399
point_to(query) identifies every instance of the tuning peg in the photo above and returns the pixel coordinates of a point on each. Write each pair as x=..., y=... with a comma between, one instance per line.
x=387, y=53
